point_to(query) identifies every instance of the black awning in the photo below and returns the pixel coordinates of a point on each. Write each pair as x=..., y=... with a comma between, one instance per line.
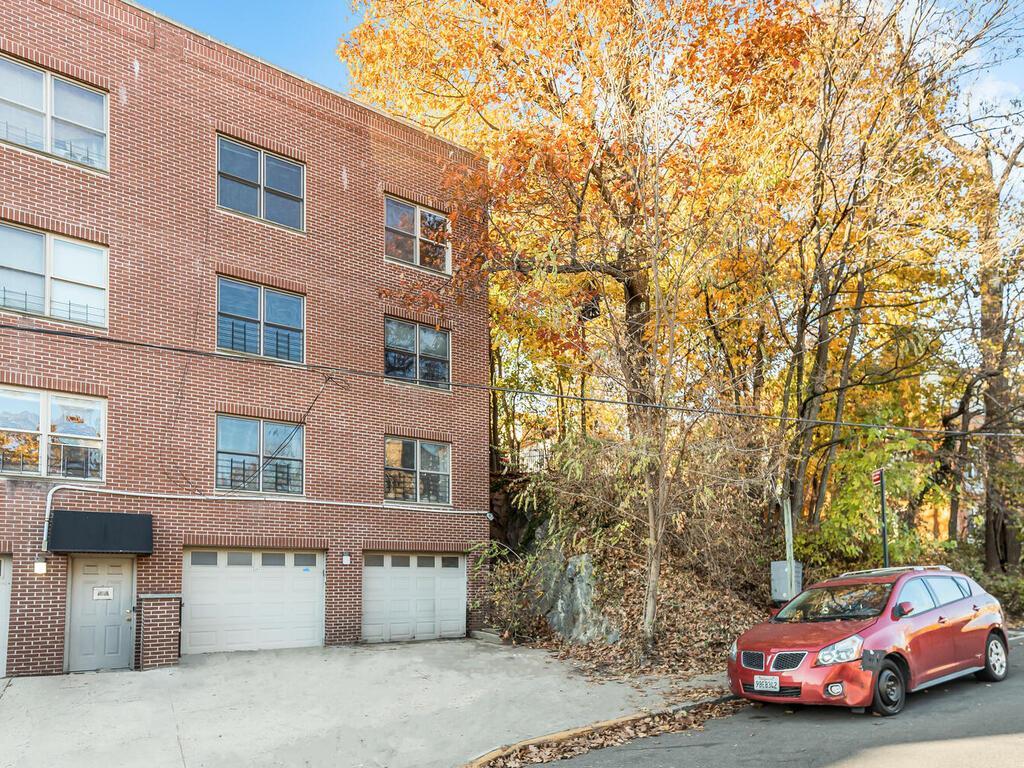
x=72, y=531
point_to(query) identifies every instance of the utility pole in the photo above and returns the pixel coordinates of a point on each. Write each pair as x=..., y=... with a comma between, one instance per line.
x=878, y=478
x=787, y=523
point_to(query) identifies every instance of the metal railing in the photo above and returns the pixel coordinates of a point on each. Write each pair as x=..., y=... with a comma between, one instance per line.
x=250, y=474
x=67, y=310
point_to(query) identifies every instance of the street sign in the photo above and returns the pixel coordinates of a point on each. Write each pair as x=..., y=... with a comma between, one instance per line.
x=876, y=477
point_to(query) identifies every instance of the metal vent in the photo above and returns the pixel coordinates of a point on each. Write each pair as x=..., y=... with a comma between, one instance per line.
x=788, y=660
x=752, y=659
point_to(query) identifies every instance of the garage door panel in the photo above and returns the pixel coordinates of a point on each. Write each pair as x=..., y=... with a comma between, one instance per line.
x=249, y=607
x=419, y=598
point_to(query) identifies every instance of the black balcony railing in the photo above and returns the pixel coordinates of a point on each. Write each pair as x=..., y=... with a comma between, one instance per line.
x=248, y=473
x=81, y=461
x=66, y=310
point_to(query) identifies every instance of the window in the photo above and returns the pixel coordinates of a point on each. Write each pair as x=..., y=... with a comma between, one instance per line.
x=399, y=561
x=48, y=275
x=260, y=184
x=373, y=561
x=204, y=558
x=272, y=559
x=836, y=602
x=44, y=433
x=450, y=562
x=259, y=320
x=305, y=559
x=416, y=470
x=424, y=561
x=418, y=353
x=916, y=593
x=240, y=558
x=416, y=235
x=964, y=586
x=945, y=589
x=42, y=111
x=258, y=455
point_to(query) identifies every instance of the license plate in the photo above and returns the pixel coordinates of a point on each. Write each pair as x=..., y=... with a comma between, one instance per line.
x=766, y=683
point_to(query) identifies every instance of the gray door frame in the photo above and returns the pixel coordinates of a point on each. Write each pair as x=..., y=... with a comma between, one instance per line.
x=69, y=596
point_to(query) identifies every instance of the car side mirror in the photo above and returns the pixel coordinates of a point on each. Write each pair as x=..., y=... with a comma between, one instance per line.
x=903, y=609
x=774, y=611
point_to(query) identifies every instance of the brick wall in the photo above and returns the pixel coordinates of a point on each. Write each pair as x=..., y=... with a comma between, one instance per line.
x=170, y=93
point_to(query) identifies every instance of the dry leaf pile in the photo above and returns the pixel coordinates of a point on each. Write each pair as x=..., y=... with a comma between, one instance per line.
x=653, y=725
x=697, y=623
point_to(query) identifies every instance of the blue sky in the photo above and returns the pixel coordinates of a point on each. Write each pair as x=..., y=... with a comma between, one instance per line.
x=300, y=35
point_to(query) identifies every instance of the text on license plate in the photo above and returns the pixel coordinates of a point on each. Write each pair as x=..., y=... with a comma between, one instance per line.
x=766, y=683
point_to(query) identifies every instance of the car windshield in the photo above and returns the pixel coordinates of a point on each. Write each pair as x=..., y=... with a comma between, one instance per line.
x=835, y=603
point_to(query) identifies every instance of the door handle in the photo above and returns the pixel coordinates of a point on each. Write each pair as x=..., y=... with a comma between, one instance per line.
x=975, y=607
x=128, y=616
x=942, y=619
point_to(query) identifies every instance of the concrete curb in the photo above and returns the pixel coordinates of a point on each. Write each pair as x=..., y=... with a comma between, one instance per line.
x=585, y=730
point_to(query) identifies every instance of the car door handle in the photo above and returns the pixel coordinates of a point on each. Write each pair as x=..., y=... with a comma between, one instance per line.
x=975, y=607
x=942, y=619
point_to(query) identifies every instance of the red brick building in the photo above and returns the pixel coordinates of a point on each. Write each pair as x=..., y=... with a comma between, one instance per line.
x=215, y=434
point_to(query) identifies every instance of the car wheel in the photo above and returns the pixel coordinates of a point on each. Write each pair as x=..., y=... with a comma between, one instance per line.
x=890, y=690
x=996, y=665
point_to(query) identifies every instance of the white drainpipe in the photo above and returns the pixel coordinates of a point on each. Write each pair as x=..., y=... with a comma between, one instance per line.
x=225, y=497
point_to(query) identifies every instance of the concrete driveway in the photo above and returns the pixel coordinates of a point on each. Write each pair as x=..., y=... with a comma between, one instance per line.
x=422, y=705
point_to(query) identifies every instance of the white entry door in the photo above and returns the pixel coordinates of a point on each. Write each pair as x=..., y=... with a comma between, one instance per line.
x=247, y=600
x=101, y=621
x=413, y=597
x=5, y=609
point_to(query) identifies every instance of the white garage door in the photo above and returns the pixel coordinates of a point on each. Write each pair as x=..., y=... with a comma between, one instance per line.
x=413, y=597
x=245, y=600
x=5, y=609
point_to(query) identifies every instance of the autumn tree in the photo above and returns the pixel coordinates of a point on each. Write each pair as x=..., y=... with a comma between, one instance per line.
x=606, y=126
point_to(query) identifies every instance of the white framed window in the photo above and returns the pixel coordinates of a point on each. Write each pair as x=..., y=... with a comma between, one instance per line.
x=258, y=320
x=259, y=455
x=417, y=353
x=44, y=274
x=49, y=113
x=417, y=235
x=52, y=434
x=260, y=184
x=417, y=471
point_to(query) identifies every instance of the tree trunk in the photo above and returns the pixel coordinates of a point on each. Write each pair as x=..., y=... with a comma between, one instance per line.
x=1001, y=551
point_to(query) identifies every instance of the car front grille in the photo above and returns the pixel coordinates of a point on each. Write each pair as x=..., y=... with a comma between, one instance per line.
x=788, y=660
x=784, y=692
x=752, y=659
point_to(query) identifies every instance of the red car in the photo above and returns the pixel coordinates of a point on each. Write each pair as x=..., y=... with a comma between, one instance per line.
x=867, y=638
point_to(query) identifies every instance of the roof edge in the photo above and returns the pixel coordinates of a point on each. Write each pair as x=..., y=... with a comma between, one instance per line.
x=363, y=105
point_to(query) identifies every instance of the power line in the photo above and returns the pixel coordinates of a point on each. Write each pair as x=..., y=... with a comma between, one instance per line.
x=347, y=371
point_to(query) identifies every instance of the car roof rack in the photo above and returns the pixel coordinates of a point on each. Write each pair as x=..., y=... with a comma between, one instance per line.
x=895, y=569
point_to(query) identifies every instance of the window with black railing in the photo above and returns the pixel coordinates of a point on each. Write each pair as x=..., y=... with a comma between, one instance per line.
x=67, y=430
x=417, y=471
x=49, y=113
x=417, y=353
x=43, y=274
x=260, y=321
x=259, y=455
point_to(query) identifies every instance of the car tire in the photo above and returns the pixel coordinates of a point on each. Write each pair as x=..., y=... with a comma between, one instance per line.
x=996, y=664
x=890, y=690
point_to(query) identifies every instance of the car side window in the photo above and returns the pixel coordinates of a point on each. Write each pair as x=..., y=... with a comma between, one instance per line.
x=965, y=587
x=916, y=593
x=945, y=589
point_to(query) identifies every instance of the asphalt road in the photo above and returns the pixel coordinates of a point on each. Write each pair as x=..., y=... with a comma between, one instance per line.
x=962, y=724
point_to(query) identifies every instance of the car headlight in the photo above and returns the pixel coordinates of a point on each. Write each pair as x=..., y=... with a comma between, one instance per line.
x=845, y=650
x=732, y=651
